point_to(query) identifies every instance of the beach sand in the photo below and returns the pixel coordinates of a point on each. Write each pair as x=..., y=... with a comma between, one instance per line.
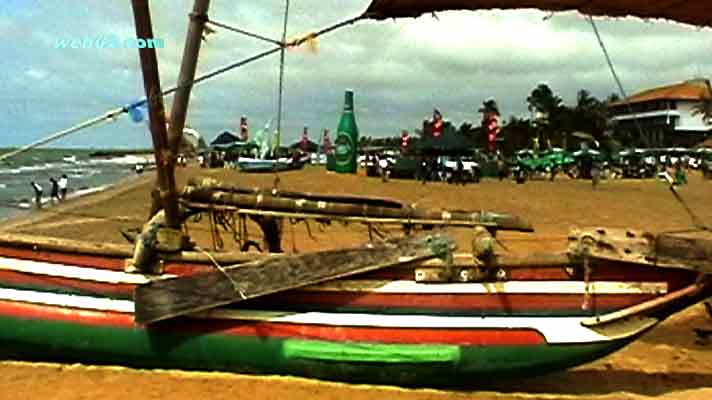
x=667, y=363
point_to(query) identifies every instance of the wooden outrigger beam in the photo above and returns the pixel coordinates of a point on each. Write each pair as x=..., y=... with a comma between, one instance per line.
x=123, y=251
x=640, y=309
x=116, y=250
x=335, y=198
x=543, y=260
x=207, y=198
x=660, y=250
x=168, y=298
x=356, y=219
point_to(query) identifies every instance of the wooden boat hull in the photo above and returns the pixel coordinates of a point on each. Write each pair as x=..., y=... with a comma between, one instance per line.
x=396, y=355
x=380, y=327
x=259, y=165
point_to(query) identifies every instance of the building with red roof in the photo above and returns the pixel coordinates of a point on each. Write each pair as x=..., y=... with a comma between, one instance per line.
x=664, y=116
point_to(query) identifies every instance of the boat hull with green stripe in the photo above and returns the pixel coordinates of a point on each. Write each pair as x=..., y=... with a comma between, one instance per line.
x=220, y=343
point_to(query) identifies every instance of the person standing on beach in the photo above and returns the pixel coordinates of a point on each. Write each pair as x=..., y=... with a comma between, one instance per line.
x=63, y=183
x=38, y=193
x=54, y=193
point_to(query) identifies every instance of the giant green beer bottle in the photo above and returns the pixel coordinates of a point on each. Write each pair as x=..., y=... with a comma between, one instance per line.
x=346, y=142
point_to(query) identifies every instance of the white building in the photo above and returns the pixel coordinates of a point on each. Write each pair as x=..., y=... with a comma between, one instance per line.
x=664, y=116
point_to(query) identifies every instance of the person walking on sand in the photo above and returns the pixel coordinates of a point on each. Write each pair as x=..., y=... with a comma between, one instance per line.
x=595, y=173
x=38, y=193
x=54, y=193
x=63, y=183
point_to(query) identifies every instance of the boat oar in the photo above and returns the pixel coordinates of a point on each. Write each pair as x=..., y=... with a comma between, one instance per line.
x=168, y=298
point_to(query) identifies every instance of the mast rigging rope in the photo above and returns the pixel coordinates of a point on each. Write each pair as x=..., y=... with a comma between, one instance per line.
x=112, y=114
x=281, y=76
x=613, y=72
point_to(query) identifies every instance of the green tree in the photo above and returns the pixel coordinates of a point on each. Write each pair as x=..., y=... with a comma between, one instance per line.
x=547, y=110
x=517, y=133
x=590, y=114
x=704, y=107
x=543, y=101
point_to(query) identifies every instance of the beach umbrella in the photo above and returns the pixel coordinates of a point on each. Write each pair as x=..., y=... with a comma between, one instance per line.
x=582, y=152
x=192, y=137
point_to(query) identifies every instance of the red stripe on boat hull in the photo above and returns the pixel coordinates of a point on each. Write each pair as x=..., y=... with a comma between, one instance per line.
x=84, y=260
x=459, y=336
x=462, y=302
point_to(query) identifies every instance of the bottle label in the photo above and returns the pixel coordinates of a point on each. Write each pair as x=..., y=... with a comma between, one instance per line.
x=344, y=149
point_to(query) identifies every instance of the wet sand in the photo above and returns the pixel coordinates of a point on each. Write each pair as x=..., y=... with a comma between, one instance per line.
x=670, y=362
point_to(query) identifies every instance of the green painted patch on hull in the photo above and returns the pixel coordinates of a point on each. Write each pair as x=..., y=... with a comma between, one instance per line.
x=371, y=352
x=33, y=339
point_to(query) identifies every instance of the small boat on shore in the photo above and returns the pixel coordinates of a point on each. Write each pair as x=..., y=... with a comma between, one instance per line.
x=246, y=164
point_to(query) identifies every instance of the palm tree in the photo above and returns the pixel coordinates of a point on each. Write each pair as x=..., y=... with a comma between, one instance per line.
x=704, y=107
x=543, y=100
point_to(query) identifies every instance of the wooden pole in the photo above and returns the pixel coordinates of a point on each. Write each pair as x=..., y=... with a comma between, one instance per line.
x=212, y=184
x=407, y=214
x=156, y=111
x=193, y=40
x=180, y=104
x=281, y=75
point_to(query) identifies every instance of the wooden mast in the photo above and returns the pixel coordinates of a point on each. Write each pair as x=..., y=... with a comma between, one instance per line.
x=198, y=18
x=152, y=84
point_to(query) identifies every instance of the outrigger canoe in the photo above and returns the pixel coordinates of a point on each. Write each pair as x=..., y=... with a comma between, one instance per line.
x=408, y=324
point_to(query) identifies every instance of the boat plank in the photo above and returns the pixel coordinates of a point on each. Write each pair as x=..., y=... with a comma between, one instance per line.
x=159, y=300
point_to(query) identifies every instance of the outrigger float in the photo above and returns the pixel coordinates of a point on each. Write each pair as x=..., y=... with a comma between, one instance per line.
x=408, y=311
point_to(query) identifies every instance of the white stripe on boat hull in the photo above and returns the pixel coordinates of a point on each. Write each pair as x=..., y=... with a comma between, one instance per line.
x=554, y=329
x=68, y=300
x=75, y=272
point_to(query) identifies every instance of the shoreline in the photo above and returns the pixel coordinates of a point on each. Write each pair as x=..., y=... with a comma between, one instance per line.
x=34, y=215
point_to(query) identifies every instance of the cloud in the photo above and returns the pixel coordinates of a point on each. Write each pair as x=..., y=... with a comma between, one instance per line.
x=399, y=69
x=36, y=73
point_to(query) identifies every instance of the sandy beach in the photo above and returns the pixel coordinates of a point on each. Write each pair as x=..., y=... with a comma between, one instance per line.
x=670, y=362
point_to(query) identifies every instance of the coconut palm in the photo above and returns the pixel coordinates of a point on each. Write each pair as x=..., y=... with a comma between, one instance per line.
x=543, y=100
x=704, y=107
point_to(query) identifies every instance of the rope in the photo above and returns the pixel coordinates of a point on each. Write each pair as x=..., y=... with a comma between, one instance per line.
x=118, y=111
x=243, y=32
x=86, y=124
x=613, y=72
x=235, y=285
x=696, y=221
x=310, y=36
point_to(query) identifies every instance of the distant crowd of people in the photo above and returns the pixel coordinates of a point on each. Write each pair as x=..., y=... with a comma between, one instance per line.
x=58, y=190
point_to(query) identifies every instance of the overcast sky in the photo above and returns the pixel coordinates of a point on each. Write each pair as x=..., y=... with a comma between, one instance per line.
x=399, y=70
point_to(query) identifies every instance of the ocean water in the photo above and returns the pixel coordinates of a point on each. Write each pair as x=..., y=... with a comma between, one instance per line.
x=86, y=175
